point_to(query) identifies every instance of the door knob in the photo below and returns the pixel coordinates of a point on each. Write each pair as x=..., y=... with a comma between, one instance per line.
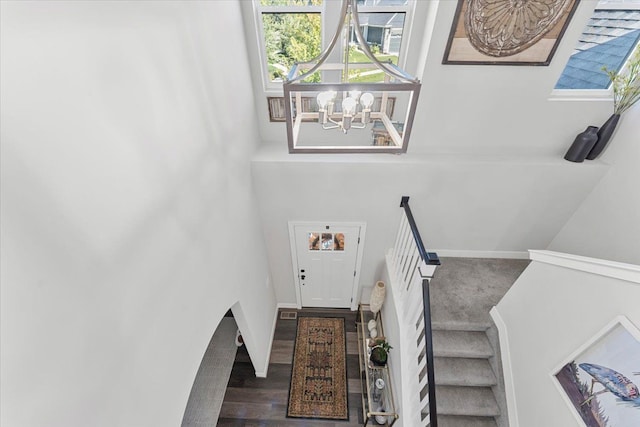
x=303, y=276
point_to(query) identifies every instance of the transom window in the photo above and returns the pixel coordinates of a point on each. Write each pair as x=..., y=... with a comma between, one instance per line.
x=293, y=31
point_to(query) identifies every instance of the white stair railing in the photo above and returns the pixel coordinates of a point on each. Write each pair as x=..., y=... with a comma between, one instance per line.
x=410, y=269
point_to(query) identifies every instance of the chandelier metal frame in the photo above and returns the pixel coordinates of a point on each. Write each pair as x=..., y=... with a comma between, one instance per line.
x=363, y=104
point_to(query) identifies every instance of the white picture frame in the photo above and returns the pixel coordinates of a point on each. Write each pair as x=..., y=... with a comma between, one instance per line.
x=600, y=381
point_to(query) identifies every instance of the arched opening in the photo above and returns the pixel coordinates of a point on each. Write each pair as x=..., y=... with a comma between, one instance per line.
x=210, y=384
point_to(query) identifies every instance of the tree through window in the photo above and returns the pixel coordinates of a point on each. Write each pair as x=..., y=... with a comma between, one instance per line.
x=296, y=31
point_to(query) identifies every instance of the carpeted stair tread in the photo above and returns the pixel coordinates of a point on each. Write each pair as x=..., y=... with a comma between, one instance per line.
x=469, y=401
x=471, y=344
x=463, y=290
x=463, y=421
x=460, y=371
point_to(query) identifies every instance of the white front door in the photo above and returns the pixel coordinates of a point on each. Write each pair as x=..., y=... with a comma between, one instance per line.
x=326, y=263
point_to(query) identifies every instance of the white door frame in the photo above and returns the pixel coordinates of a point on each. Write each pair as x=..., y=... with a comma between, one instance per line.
x=320, y=225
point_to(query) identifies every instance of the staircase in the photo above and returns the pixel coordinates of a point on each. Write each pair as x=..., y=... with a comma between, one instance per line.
x=467, y=366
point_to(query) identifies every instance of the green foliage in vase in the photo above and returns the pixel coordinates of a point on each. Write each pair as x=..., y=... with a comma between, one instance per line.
x=385, y=346
x=626, y=84
x=379, y=350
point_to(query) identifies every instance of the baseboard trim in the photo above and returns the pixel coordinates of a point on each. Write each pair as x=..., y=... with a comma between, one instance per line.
x=292, y=305
x=507, y=370
x=455, y=253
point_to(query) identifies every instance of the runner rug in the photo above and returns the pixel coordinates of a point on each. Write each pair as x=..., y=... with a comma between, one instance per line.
x=319, y=376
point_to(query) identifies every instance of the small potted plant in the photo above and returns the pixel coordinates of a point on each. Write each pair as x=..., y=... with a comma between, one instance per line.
x=626, y=92
x=379, y=351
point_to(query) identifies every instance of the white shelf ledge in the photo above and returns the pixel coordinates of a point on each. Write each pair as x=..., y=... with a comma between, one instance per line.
x=616, y=270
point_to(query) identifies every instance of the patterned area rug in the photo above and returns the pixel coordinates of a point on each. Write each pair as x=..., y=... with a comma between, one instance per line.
x=319, y=377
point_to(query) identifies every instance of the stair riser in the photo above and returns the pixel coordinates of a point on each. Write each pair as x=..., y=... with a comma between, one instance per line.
x=459, y=421
x=462, y=354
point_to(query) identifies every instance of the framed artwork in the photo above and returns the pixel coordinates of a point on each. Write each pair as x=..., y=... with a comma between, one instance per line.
x=600, y=381
x=506, y=32
x=276, y=108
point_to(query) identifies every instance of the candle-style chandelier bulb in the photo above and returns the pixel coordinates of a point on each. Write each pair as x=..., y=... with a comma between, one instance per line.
x=366, y=100
x=348, y=111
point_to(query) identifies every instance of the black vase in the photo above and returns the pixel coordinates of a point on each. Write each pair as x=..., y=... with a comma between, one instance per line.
x=582, y=145
x=604, y=134
x=378, y=356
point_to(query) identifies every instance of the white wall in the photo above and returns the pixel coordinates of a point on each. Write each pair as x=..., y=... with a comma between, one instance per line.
x=550, y=312
x=471, y=203
x=607, y=224
x=128, y=220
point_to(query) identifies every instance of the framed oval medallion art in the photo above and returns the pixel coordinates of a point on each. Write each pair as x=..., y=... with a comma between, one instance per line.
x=507, y=32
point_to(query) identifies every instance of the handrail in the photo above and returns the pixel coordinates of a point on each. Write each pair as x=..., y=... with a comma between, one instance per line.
x=429, y=258
x=428, y=336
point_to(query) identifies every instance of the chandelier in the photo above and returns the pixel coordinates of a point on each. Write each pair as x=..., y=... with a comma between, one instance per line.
x=320, y=95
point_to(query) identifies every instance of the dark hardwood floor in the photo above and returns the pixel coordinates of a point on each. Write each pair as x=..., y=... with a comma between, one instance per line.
x=251, y=401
